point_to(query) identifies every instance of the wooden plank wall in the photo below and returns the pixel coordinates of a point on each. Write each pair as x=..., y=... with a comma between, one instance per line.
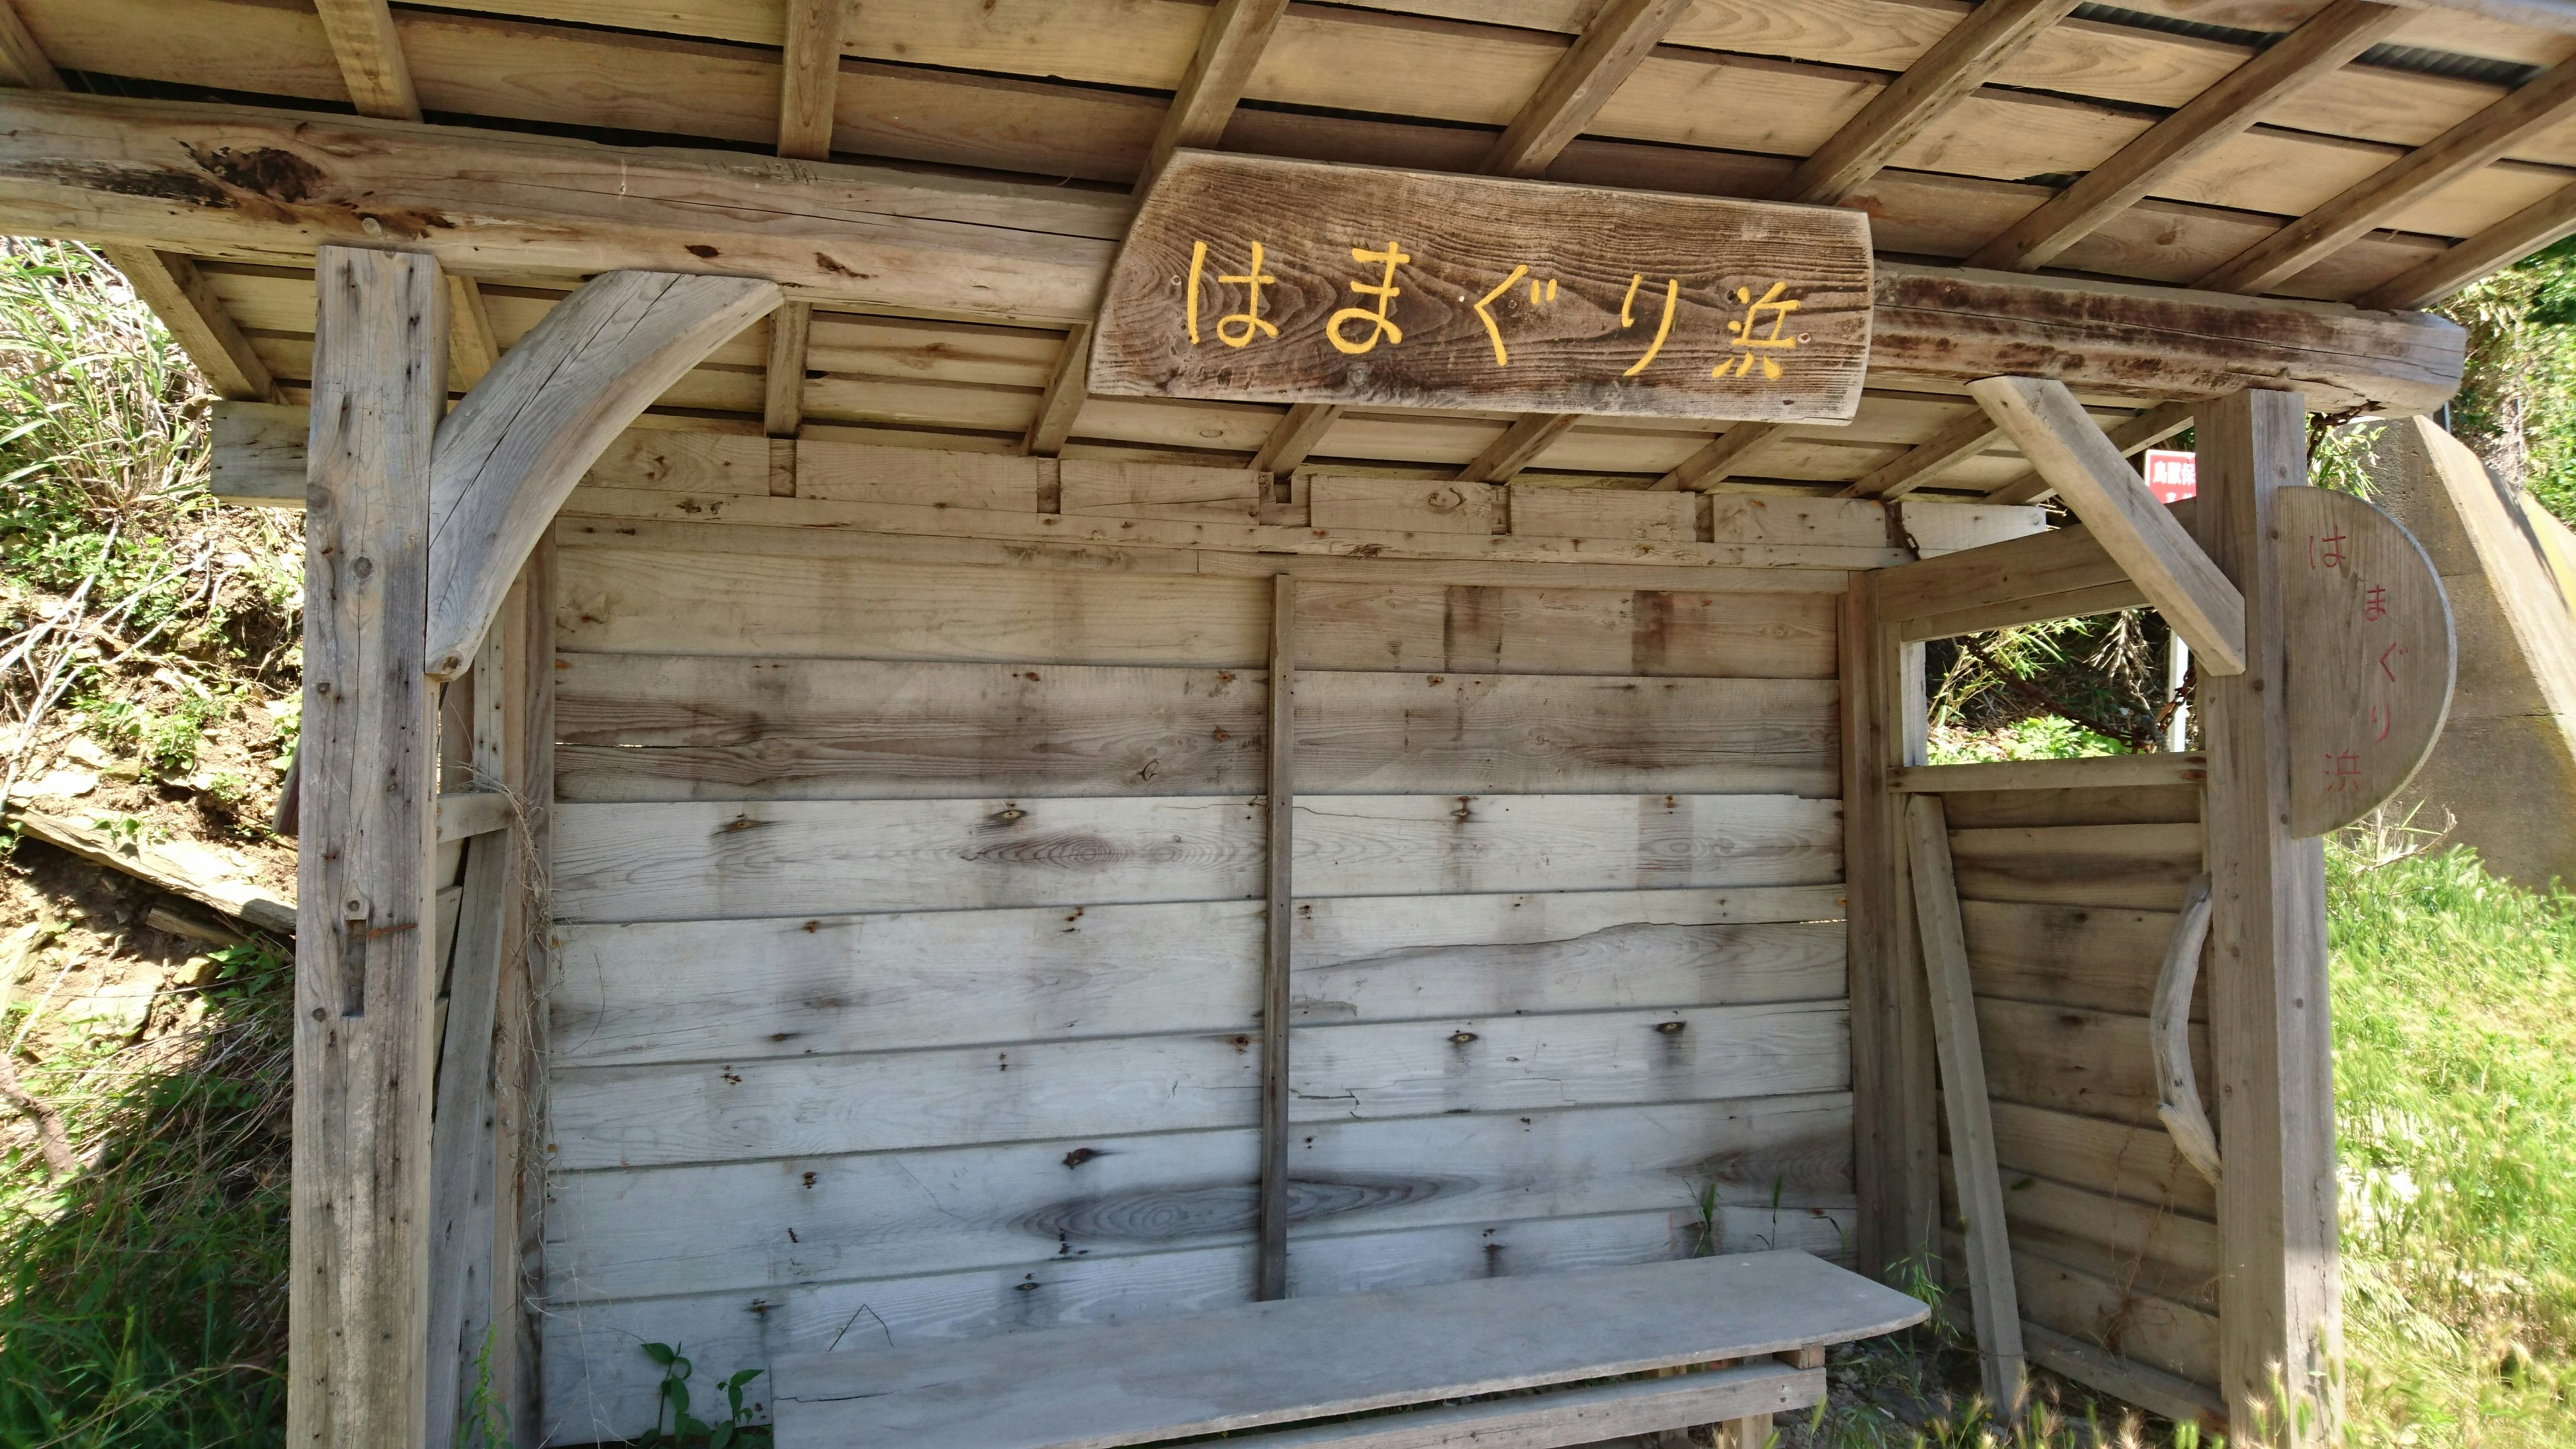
x=2068, y=898
x=909, y=943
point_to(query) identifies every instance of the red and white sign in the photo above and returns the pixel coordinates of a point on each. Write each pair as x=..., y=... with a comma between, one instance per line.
x=2171, y=475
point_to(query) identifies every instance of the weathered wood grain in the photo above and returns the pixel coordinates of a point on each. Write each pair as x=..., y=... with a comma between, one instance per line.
x=621, y=601
x=1127, y=490
x=1504, y=630
x=525, y=435
x=1257, y=1364
x=642, y=1115
x=1401, y=505
x=365, y=975
x=600, y=1385
x=704, y=860
x=2133, y=1163
x=1604, y=513
x=2159, y=1332
x=2373, y=657
x=2068, y=1059
x=2099, y=772
x=629, y=1233
x=2095, y=957
x=2137, y=805
x=2141, y=866
x=680, y=991
x=1638, y=303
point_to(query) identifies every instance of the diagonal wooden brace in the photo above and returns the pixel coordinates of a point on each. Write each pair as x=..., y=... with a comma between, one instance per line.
x=2139, y=534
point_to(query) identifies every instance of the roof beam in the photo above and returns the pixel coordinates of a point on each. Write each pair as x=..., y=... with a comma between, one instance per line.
x=1948, y=73
x=1612, y=46
x=1237, y=32
x=2132, y=437
x=2322, y=46
x=1520, y=444
x=2501, y=245
x=1962, y=438
x=2543, y=101
x=782, y=391
x=472, y=350
x=371, y=58
x=2138, y=533
x=1731, y=453
x=809, y=78
x=155, y=173
x=178, y=293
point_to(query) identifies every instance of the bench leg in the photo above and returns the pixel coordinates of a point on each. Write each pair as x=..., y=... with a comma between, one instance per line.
x=1751, y=1433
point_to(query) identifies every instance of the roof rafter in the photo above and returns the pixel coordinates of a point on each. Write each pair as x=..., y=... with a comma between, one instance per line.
x=1229, y=48
x=1951, y=71
x=24, y=58
x=2325, y=44
x=1962, y=438
x=2132, y=437
x=371, y=58
x=1525, y=439
x=809, y=78
x=1732, y=451
x=2543, y=101
x=1299, y=431
x=2501, y=245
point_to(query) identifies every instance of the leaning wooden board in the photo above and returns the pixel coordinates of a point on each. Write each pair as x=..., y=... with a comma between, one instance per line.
x=1303, y=1358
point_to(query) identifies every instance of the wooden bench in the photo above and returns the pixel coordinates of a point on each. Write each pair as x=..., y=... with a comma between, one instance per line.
x=1282, y=1366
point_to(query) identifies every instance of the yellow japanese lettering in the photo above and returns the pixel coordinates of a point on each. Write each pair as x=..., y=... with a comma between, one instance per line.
x=1252, y=282
x=1198, y=264
x=1745, y=338
x=1663, y=329
x=1502, y=358
x=1385, y=290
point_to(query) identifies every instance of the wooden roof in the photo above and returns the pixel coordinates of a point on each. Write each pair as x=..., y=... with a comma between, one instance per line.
x=2345, y=151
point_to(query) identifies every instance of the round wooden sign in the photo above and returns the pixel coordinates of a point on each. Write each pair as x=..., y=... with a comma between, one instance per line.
x=2369, y=658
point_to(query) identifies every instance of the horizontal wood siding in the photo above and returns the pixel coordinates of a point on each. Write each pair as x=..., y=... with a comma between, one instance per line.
x=910, y=920
x=2069, y=898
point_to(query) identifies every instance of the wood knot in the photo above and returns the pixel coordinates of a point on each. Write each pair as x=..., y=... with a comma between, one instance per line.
x=1461, y=1038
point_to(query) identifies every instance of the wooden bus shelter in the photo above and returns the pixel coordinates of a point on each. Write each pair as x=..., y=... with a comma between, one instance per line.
x=988, y=685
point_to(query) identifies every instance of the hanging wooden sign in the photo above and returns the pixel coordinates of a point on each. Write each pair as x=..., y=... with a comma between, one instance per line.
x=2369, y=655
x=1253, y=279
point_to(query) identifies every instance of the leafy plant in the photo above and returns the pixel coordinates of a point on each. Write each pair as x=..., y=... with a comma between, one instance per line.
x=686, y=1429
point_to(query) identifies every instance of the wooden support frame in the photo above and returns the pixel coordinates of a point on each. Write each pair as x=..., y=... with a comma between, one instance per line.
x=2132, y=437
x=782, y=391
x=809, y=77
x=24, y=58
x=2269, y=1020
x=1730, y=453
x=370, y=54
x=518, y=444
x=2322, y=45
x=472, y=349
x=1963, y=438
x=358, y=1295
x=1519, y=446
x=1061, y=406
x=1980, y=44
x=2177, y=577
x=1278, y=935
x=1614, y=43
x=1231, y=45
x=179, y=294
x=1299, y=433
x=1994, y=1304
x=1893, y=1082
x=2445, y=272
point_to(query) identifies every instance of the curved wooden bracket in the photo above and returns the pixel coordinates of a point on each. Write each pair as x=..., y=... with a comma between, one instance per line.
x=2169, y=1021
x=526, y=433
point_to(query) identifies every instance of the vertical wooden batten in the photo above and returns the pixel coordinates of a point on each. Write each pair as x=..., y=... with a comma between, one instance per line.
x=1994, y=1306
x=358, y=1293
x=2270, y=1034
x=1896, y=1155
x=1277, y=932
x=519, y=1026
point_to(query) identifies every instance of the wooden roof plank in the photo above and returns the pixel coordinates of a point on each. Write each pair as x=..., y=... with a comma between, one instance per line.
x=371, y=58
x=22, y=55
x=2545, y=101
x=1948, y=73
x=2323, y=45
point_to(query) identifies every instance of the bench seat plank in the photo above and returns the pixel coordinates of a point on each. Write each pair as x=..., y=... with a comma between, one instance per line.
x=1570, y=1416
x=1258, y=1364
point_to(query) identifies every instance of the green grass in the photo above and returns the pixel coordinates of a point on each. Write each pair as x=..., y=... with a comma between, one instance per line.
x=142, y=1303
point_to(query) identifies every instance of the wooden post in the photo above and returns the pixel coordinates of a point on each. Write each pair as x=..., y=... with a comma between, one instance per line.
x=1994, y=1305
x=1274, y=956
x=519, y=1044
x=358, y=1296
x=2269, y=1031
x=1896, y=1160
